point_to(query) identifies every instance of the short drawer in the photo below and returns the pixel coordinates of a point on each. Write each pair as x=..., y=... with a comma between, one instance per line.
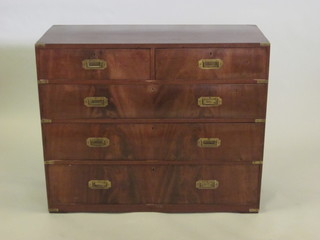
x=156, y=184
x=212, y=63
x=153, y=101
x=93, y=64
x=171, y=141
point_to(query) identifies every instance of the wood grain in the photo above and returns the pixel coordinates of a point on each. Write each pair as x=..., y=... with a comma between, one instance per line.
x=163, y=208
x=152, y=101
x=238, y=184
x=152, y=119
x=178, y=142
x=62, y=64
x=237, y=63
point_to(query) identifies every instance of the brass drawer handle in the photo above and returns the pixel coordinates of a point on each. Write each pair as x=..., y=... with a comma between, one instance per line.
x=207, y=184
x=98, y=142
x=209, y=101
x=210, y=63
x=209, y=142
x=94, y=64
x=99, y=184
x=95, y=101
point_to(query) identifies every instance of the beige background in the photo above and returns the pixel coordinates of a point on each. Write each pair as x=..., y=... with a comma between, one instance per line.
x=290, y=205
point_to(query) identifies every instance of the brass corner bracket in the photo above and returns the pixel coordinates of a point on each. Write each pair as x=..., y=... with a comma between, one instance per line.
x=253, y=210
x=260, y=120
x=261, y=80
x=257, y=162
x=46, y=120
x=53, y=210
x=265, y=44
x=40, y=44
x=43, y=81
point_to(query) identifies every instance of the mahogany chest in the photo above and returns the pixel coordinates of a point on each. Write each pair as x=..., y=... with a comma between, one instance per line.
x=153, y=118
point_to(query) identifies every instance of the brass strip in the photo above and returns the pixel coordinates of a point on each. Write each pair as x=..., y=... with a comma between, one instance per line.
x=99, y=184
x=209, y=101
x=209, y=142
x=210, y=63
x=260, y=120
x=262, y=81
x=257, y=162
x=265, y=44
x=43, y=81
x=207, y=184
x=52, y=210
x=46, y=120
x=253, y=210
x=49, y=162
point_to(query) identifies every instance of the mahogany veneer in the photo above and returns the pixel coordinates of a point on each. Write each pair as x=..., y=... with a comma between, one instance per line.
x=153, y=118
x=239, y=141
x=146, y=100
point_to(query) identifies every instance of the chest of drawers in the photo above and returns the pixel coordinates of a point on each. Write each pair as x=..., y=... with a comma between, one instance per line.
x=153, y=118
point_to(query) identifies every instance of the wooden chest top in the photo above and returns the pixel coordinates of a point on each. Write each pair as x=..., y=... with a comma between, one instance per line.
x=133, y=35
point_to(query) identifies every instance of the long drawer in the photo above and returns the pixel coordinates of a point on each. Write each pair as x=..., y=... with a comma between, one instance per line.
x=212, y=63
x=90, y=64
x=145, y=141
x=153, y=101
x=157, y=184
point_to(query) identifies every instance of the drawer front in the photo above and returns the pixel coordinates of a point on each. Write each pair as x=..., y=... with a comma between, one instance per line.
x=153, y=101
x=212, y=63
x=90, y=64
x=207, y=141
x=156, y=184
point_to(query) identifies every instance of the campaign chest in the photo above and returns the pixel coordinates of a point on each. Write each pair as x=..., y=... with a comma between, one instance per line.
x=153, y=118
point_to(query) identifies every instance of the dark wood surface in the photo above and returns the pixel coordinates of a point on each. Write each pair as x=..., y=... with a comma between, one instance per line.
x=239, y=141
x=162, y=208
x=152, y=101
x=153, y=121
x=67, y=64
x=182, y=63
x=153, y=184
x=153, y=34
x=169, y=64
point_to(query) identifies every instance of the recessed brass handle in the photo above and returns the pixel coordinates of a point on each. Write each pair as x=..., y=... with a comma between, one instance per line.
x=207, y=184
x=209, y=101
x=95, y=101
x=210, y=63
x=98, y=142
x=99, y=184
x=94, y=64
x=209, y=142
